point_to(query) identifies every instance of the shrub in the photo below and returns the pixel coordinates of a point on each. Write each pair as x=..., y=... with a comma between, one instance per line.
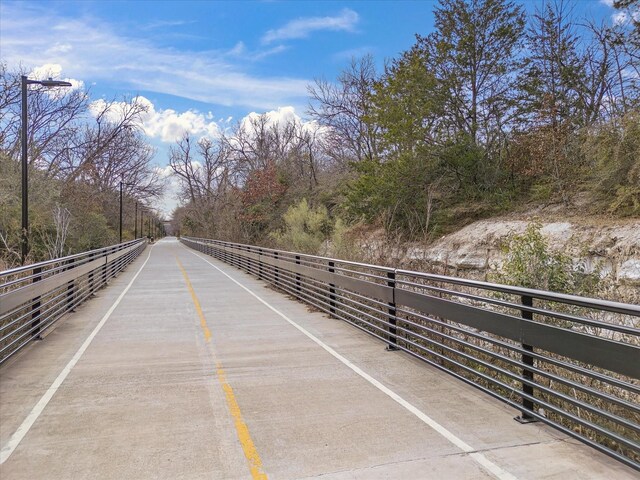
x=306, y=228
x=529, y=262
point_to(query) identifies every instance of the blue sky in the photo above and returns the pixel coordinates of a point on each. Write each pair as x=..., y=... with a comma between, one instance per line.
x=204, y=65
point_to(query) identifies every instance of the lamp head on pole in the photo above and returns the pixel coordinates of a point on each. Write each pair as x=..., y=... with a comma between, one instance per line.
x=55, y=83
x=50, y=83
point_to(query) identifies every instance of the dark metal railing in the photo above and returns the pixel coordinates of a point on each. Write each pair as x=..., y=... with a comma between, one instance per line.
x=568, y=361
x=34, y=297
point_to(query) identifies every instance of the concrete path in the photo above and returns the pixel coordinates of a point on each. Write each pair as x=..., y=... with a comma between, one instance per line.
x=201, y=371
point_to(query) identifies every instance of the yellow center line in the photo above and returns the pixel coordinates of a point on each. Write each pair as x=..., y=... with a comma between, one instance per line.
x=248, y=447
x=196, y=302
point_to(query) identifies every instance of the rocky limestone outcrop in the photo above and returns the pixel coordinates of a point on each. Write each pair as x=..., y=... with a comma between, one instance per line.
x=612, y=248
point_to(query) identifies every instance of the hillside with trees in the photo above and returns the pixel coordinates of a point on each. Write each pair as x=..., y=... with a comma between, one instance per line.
x=493, y=110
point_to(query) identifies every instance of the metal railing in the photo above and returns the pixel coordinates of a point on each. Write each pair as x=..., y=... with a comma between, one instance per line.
x=569, y=361
x=34, y=297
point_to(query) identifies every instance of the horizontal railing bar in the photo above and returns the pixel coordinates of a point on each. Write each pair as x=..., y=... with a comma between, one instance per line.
x=606, y=305
x=517, y=349
x=520, y=307
x=31, y=266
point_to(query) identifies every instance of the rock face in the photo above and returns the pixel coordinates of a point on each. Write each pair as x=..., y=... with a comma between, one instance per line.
x=629, y=272
x=613, y=248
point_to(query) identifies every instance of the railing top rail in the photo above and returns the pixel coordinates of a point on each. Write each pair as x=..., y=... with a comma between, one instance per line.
x=576, y=300
x=306, y=255
x=46, y=263
x=607, y=305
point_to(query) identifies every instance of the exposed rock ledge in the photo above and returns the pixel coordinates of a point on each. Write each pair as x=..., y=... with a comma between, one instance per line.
x=613, y=247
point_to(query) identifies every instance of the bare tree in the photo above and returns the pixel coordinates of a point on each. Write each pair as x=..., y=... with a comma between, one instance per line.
x=259, y=141
x=343, y=107
x=205, y=174
x=611, y=74
x=61, y=221
x=110, y=137
x=53, y=117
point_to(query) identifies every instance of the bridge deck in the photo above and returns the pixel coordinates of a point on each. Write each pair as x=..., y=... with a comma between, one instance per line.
x=193, y=375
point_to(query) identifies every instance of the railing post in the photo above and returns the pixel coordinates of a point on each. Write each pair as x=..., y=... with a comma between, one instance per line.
x=91, y=273
x=236, y=258
x=277, y=271
x=527, y=404
x=393, y=332
x=105, y=272
x=70, y=290
x=35, y=309
x=297, y=274
x=332, y=290
x=259, y=264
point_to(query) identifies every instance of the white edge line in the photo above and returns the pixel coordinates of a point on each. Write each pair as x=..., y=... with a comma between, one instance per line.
x=478, y=457
x=28, y=422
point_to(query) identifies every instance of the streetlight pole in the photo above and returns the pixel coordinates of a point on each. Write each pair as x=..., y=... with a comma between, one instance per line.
x=120, y=230
x=135, y=223
x=24, y=245
x=24, y=82
x=122, y=183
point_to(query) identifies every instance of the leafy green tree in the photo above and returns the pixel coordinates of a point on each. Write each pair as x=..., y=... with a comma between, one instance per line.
x=396, y=187
x=473, y=55
x=406, y=105
x=553, y=69
x=443, y=110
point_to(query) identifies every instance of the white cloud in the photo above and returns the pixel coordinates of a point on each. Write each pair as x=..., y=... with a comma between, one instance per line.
x=238, y=49
x=623, y=17
x=95, y=51
x=170, y=125
x=280, y=117
x=164, y=24
x=241, y=51
x=619, y=18
x=167, y=125
x=303, y=27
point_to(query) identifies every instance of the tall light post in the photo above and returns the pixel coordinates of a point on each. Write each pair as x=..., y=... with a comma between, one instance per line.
x=24, y=247
x=121, y=185
x=120, y=229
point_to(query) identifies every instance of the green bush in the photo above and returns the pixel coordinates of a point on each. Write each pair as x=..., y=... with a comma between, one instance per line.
x=529, y=262
x=614, y=153
x=306, y=228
